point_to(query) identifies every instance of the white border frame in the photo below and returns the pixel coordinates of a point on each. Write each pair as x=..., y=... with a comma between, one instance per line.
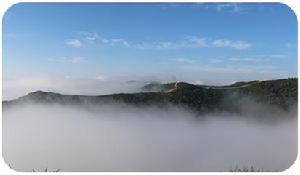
x=5, y=5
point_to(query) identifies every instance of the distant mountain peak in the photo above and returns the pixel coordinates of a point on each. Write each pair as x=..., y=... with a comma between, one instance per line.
x=40, y=93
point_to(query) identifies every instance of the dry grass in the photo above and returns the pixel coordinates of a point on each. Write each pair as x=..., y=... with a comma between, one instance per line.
x=35, y=170
x=246, y=169
x=46, y=170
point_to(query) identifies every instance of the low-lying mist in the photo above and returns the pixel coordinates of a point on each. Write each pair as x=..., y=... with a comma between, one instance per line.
x=126, y=138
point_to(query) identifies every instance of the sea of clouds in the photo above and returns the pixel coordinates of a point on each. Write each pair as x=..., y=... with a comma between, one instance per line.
x=127, y=138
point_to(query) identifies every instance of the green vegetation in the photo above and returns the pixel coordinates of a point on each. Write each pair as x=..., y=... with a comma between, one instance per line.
x=280, y=93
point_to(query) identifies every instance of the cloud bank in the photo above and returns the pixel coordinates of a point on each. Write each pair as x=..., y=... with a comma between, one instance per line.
x=122, y=138
x=74, y=43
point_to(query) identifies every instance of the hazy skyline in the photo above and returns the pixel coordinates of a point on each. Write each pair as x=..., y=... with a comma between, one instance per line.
x=89, y=48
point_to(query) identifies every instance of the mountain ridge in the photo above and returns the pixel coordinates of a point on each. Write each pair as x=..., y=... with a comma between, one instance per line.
x=280, y=93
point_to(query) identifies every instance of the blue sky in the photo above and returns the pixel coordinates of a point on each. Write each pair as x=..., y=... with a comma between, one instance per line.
x=206, y=43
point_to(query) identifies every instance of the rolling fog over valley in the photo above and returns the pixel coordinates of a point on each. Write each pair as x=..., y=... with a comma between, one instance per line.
x=120, y=138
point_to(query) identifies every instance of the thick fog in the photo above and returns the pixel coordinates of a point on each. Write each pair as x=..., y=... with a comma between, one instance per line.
x=123, y=138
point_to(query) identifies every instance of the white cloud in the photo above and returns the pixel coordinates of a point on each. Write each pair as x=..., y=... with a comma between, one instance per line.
x=219, y=7
x=241, y=59
x=187, y=42
x=165, y=45
x=94, y=37
x=119, y=41
x=238, y=45
x=73, y=60
x=230, y=7
x=224, y=7
x=101, y=77
x=232, y=69
x=158, y=45
x=98, y=77
x=197, y=41
x=277, y=56
x=214, y=61
x=73, y=42
x=257, y=58
x=253, y=58
x=184, y=60
x=213, y=69
x=199, y=82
